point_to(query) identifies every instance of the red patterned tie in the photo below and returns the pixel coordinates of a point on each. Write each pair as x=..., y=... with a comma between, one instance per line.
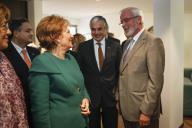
x=26, y=58
x=100, y=55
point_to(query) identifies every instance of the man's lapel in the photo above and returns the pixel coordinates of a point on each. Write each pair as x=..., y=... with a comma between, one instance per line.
x=31, y=53
x=138, y=44
x=107, y=53
x=92, y=55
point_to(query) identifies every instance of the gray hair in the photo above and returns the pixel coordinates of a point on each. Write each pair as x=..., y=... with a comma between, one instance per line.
x=99, y=18
x=135, y=12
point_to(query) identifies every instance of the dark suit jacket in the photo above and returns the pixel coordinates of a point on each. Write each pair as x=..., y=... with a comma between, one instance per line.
x=114, y=39
x=100, y=85
x=20, y=66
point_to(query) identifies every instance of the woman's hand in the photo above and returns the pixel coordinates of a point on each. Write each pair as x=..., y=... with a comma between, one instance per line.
x=85, y=107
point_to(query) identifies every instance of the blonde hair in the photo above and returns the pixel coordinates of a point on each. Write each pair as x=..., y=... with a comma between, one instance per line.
x=4, y=14
x=49, y=29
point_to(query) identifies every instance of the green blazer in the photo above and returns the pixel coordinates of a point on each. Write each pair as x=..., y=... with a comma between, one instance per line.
x=56, y=90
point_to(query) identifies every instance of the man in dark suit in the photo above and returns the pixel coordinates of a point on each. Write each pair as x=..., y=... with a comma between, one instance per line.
x=99, y=60
x=22, y=35
x=141, y=73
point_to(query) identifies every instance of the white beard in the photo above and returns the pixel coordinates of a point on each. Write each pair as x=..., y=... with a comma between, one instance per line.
x=130, y=32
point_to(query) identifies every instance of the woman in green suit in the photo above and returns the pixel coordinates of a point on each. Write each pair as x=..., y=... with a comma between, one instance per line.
x=57, y=92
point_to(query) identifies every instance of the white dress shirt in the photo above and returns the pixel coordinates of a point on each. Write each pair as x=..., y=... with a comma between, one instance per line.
x=96, y=46
x=19, y=49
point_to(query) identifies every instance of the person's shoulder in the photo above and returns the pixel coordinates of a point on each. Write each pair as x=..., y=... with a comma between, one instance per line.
x=43, y=63
x=113, y=43
x=153, y=40
x=114, y=39
x=41, y=58
x=33, y=49
x=86, y=43
x=151, y=36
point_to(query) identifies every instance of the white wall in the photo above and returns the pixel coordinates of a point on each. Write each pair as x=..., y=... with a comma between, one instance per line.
x=35, y=14
x=188, y=41
x=169, y=24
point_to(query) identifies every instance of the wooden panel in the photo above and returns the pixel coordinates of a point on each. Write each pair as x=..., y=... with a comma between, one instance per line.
x=18, y=8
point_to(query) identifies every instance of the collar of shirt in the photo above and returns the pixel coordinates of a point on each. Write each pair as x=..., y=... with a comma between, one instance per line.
x=19, y=49
x=96, y=46
x=102, y=45
x=102, y=42
x=136, y=37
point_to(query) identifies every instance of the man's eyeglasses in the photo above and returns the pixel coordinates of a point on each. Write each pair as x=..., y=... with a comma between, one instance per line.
x=126, y=20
